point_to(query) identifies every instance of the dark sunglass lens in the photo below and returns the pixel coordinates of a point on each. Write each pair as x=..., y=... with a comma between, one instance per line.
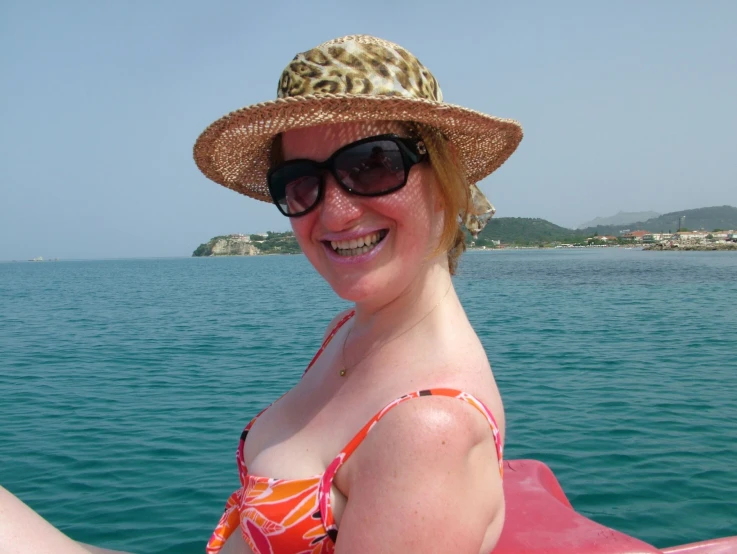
x=296, y=188
x=302, y=194
x=371, y=168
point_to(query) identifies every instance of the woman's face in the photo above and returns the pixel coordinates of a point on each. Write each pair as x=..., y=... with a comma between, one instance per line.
x=407, y=222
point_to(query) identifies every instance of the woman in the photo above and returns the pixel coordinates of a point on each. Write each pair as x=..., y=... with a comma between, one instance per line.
x=388, y=442
x=392, y=440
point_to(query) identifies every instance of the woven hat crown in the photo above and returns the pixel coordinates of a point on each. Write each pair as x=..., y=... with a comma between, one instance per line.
x=358, y=64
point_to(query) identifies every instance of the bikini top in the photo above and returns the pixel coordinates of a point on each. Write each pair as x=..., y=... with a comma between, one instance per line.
x=294, y=516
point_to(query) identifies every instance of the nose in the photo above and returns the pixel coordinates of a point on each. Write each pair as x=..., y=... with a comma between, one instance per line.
x=339, y=208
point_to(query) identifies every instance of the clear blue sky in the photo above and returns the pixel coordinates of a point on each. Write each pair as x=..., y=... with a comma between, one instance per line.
x=628, y=105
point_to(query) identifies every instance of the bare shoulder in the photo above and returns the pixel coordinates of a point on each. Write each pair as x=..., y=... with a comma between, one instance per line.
x=426, y=479
x=432, y=425
x=335, y=320
x=467, y=369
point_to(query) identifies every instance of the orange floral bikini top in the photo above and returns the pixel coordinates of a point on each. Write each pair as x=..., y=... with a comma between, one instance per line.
x=294, y=516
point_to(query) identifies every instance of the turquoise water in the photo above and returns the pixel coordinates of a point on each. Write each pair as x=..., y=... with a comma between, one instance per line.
x=125, y=384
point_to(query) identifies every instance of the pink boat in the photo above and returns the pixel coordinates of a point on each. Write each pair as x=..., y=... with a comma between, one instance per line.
x=539, y=519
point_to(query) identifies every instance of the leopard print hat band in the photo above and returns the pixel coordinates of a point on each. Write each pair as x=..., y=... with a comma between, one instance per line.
x=353, y=78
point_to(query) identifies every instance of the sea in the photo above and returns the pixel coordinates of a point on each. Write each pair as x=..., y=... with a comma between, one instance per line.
x=125, y=383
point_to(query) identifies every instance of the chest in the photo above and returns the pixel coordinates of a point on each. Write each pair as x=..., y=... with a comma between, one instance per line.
x=296, y=439
x=303, y=432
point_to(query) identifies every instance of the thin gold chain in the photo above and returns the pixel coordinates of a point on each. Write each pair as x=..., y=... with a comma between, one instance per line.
x=372, y=350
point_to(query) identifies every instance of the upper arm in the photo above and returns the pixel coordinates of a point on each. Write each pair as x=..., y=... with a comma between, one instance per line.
x=426, y=479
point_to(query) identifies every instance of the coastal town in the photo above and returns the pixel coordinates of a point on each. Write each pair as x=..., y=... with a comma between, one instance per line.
x=717, y=239
x=679, y=237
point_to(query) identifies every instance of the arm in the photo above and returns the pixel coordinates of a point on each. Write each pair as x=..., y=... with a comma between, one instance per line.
x=426, y=479
x=97, y=550
x=23, y=531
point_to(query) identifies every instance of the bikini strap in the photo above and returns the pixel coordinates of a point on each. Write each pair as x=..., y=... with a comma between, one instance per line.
x=329, y=338
x=327, y=478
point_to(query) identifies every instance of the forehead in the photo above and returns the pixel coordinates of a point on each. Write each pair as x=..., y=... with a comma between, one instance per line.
x=320, y=142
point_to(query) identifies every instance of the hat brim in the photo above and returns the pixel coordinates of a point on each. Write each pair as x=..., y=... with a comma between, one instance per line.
x=235, y=150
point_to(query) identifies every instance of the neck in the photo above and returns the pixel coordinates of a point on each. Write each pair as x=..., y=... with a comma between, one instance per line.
x=382, y=319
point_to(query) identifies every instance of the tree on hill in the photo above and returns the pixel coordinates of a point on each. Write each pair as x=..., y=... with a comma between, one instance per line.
x=524, y=231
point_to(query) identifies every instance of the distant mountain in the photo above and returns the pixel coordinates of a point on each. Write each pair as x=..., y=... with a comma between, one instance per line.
x=622, y=218
x=716, y=217
x=531, y=231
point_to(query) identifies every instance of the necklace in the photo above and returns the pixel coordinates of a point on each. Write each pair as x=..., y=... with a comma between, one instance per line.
x=372, y=350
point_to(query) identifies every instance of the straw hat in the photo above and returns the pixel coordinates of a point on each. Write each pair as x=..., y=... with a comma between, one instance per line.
x=348, y=79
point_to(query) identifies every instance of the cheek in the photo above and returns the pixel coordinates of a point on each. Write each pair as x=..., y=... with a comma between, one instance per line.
x=417, y=212
x=421, y=202
x=301, y=229
x=430, y=208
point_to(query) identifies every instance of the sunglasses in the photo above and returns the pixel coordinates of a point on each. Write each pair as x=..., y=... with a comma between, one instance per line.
x=372, y=166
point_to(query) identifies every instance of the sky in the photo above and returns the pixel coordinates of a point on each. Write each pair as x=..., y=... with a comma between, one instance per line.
x=628, y=105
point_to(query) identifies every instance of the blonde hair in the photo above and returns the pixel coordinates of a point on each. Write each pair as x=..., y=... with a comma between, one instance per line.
x=453, y=189
x=451, y=185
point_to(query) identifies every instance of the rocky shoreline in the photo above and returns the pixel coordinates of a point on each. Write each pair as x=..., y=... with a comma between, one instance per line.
x=722, y=246
x=261, y=244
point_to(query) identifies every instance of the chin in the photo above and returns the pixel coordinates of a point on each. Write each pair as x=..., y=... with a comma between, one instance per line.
x=374, y=277
x=356, y=291
x=373, y=286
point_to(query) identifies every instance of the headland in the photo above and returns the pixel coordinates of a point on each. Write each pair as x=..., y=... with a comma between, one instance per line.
x=712, y=229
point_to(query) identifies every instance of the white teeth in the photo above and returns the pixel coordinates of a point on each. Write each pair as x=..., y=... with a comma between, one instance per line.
x=354, y=247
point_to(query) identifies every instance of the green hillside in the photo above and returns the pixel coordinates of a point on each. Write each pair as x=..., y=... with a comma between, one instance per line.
x=277, y=243
x=717, y=217
x=521, y=231
x=527, y=231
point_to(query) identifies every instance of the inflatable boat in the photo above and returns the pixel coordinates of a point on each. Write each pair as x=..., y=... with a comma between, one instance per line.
x=540, y=519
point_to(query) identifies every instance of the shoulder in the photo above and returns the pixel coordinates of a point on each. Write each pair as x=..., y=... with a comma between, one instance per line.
x=430, y=468
x=335, y=321
x=433, y=425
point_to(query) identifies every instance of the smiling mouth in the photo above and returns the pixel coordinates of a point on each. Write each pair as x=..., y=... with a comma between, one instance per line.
x=356, y=247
